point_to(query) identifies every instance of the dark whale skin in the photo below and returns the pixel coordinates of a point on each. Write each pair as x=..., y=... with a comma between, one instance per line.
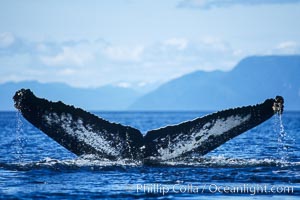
x=84, y=133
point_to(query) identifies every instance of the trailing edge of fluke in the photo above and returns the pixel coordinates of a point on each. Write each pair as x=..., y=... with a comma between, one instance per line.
x=84, y=133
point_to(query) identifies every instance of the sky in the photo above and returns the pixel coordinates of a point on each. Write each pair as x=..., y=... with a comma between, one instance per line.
x=138, y=43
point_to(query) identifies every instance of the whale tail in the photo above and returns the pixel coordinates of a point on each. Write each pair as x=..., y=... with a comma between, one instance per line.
x=79, y=131
x=84, y=133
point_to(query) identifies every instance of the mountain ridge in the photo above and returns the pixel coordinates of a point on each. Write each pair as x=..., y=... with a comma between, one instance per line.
x=252, y=80
x=103, y=98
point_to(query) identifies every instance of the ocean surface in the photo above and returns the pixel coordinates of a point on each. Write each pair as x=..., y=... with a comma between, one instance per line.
x=261, y=163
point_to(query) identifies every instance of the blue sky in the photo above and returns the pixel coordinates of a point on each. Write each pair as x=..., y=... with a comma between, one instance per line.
x=137, y=43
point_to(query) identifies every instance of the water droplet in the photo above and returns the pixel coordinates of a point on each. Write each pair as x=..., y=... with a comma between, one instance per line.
x=19, y=142
x=282, y=141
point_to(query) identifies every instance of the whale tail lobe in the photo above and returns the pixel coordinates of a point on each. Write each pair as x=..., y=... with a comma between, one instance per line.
x=84, y=133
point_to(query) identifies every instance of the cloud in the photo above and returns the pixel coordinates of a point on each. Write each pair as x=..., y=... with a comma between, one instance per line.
x=287, y=47
x=209, y=4
x=215, y=44
x=96, y=63
x=68, y=56
x=124, y=84
x=12, y=45
x=80, y=53
x=67, y=72
x=122, y=53
x=6, y=39
x=177, y=56
x=179, y=43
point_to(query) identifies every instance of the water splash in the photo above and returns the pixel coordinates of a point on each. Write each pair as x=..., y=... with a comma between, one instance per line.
x=19, y=141
x=282, y=141
x=222, y=161
x=129, y=146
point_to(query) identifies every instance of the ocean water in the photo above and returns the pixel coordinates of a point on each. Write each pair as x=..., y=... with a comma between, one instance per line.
x=261, y=163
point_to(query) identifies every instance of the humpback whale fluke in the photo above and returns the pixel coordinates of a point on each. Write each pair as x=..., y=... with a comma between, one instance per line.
x=79, y=131
x=84, y=133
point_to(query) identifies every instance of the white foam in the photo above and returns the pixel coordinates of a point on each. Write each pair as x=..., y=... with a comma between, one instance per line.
x=181, y=145
x=221, y=161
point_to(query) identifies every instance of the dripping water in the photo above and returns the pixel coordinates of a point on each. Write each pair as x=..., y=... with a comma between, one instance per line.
x=19, y=141
x=129, y=146
x=282, y=140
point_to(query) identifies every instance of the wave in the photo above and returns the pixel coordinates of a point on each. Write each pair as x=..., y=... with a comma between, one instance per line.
x=87, y=162
x=93, y=163
x=225, y=162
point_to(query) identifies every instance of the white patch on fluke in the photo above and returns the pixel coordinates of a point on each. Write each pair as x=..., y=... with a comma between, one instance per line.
x=195, y=138
x=84, y=133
